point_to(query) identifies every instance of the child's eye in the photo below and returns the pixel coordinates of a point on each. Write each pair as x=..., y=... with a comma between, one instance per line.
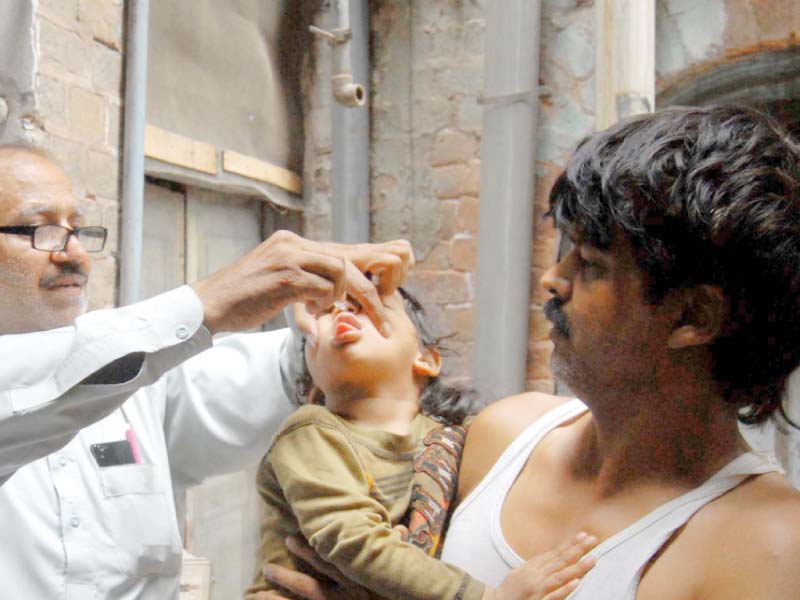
x=353, y=305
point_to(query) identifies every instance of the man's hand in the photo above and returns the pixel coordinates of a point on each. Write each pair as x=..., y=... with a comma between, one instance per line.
x=328, y=586
x=287, y=268
x=550, y=576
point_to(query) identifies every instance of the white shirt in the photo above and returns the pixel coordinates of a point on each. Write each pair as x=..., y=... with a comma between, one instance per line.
x=70, y=529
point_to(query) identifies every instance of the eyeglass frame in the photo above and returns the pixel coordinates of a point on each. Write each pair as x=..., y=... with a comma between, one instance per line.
x=30, y=231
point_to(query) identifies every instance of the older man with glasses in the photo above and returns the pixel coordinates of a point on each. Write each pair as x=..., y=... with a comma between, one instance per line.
x=107, y=417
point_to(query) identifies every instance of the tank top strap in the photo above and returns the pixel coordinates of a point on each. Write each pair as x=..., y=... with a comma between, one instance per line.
x=621, y=559
x=514, y=457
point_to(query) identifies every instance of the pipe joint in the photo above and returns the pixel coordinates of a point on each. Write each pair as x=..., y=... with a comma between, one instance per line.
x=347, y=92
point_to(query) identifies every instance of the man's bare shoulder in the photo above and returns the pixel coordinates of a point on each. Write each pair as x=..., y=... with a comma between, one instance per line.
x=495, y=427
x=747, y=544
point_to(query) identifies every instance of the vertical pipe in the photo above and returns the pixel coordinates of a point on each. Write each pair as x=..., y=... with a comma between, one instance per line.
x=505, y=229
x=350, y=132
x=133, y=152
x=625, y=66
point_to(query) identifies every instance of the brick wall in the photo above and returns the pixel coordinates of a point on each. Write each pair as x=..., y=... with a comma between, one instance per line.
x=427, y=71
x=78, y=86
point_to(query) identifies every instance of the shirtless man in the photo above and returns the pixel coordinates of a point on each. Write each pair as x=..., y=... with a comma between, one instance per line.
x=676, y=314
x=677, y=309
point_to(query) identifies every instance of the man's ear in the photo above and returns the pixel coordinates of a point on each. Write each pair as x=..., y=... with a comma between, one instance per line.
x=702, y=317
x=428, y=363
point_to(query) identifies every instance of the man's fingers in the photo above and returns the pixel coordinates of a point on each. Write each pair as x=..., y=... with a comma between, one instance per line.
x=304, y=320
x=331, y=268
x=366, y=294
x=298, y=583
x=392, y=260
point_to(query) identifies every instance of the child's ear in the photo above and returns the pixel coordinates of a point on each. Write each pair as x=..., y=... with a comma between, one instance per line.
x=701, y=319
x=428, y=363
x=315, y=396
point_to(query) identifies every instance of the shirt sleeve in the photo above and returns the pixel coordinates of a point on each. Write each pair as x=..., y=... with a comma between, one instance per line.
x=328, y=489
x=43, y=403
x=224, y=405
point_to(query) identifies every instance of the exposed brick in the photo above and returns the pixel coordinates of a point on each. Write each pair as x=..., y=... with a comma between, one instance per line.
x=467, y=216
x=110, y=220
x=460, y=321
x=106, y=69
x=87, y=115
x=440, y=287
x=538, y=325
x=544, y=250
x=450, y=180
x=451, y=146
x=539, y=359
x=464, y=254
x=61, y=12
x=102, y=282
x=113, y=137
x=103, y=174
x=51, y=104
x=438, y=259
x=103, y=19
x=62, y=52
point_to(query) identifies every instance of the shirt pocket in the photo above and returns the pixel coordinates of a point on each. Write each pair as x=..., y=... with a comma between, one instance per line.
x=141, y=519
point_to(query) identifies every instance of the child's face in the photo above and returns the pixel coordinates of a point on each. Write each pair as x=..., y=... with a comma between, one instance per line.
x=350, y=351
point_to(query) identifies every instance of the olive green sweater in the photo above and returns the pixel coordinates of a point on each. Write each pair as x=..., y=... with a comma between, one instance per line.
x=343, y=487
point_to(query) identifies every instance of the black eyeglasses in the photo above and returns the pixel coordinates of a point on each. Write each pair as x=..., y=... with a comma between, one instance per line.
x=54, y=238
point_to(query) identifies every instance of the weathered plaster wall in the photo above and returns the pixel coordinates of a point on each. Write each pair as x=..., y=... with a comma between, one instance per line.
x=694, y=38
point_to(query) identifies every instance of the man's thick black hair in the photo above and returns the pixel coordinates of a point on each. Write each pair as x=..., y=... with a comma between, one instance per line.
x=705, y=196
x=446, y=403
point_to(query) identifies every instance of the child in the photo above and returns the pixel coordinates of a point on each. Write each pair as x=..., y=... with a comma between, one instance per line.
x=341, y=474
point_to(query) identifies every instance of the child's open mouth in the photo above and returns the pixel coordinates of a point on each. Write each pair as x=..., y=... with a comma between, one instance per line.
x=347, y=328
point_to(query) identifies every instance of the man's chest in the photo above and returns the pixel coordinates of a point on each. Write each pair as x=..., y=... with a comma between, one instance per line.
x=542, y=513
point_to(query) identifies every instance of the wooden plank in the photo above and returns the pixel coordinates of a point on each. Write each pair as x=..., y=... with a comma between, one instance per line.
x=253, y=168
x=175, y=149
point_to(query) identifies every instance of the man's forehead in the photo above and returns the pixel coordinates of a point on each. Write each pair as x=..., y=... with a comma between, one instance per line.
x=31, y=184
x=29, y=209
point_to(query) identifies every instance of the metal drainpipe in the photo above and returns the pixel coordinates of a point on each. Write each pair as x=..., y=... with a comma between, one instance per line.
x=130, y=256
x=505, y=229
x=350, y=124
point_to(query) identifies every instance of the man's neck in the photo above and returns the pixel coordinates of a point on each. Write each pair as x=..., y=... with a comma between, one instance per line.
x=678, y=434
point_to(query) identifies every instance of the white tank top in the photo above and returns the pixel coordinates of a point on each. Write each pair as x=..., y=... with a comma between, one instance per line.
x=475, y=540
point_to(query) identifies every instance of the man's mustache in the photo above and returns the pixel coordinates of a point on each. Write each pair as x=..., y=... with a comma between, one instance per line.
x=65, y=270
x=554, y=314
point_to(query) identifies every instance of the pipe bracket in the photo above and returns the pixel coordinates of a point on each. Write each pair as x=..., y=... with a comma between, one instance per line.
x=505, y=99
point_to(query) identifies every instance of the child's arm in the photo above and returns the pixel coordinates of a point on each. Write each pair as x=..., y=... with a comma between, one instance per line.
x=550, y=576
x=328, y=489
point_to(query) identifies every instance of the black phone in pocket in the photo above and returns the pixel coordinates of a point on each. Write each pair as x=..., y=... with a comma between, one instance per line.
x=109, y=454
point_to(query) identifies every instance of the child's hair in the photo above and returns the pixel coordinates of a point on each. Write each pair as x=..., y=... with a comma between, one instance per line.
x=446, y=403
